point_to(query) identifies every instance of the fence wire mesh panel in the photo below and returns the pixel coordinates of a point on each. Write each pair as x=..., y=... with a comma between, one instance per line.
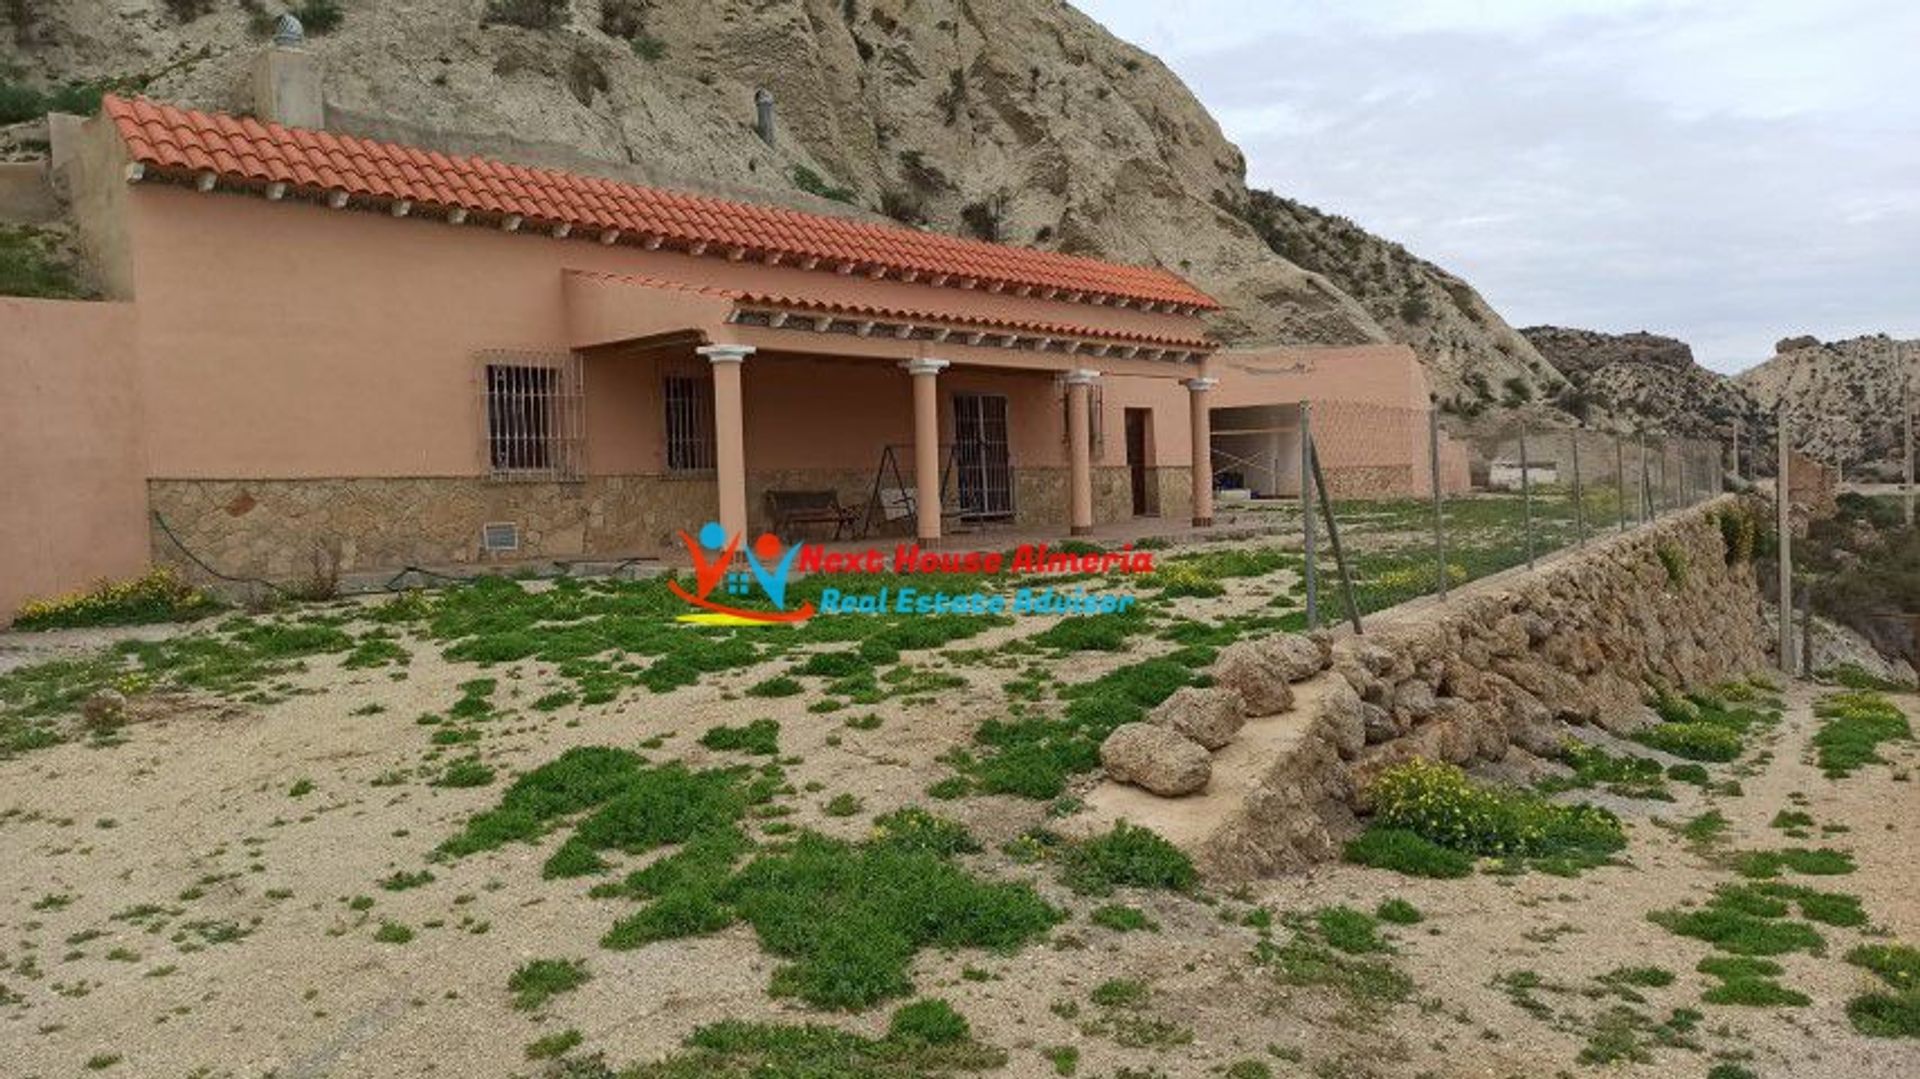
x=1420, y=511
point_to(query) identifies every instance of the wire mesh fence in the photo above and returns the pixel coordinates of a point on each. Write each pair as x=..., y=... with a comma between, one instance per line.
x=1395, y=508
x=1840, y=556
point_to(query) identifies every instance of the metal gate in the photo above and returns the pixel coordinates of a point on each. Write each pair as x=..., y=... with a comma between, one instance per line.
x=984, y=474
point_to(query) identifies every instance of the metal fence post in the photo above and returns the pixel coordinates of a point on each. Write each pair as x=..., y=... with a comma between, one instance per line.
x=1579, y=499
x=1783, y=522
x=1333, y=539
x=1644, y=503
x=1620, y=476
x=1806, y=629
x=1306, y=514
x=1665, y=500
x=1439, y=507
x=1906, y=407
x=1526, y=491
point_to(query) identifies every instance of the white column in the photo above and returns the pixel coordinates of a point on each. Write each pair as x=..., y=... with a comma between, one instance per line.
x=1080, y=451
x=1202, y=424
x=926, y=446
x=729, y=436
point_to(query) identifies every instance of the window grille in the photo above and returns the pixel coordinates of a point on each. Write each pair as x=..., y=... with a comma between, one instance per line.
x=689, y=426
x=535, y=415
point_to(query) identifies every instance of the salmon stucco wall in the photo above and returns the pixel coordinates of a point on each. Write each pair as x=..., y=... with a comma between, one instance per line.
x=1371, y=408
x=70, y=422
x=290, y=341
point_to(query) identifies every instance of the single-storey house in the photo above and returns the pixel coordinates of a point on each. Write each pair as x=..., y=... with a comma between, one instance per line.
x=321, y=353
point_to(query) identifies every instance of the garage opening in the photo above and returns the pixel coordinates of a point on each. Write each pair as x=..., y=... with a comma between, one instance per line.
x=1256, y=451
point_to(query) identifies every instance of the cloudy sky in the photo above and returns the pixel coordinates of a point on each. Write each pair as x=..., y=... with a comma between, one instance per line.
x=1726, y=171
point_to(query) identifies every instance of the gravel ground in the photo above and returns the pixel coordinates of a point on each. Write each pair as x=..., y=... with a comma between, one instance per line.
x=236, y=949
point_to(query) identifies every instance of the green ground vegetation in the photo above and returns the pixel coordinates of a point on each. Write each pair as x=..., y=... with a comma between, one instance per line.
x=924, y=1038
x=1853, y=726
x=1710, y=726
x=1445, y=811
x=1892, y=1011
x=159, y=595
x=848, y=917
x=1627, y=775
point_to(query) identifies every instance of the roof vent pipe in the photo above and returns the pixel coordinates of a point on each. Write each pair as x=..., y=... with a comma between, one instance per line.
x=763, y=115
x=288, y=81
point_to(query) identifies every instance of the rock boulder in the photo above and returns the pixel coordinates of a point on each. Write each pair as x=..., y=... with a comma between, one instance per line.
x=1248, y=670
x=1297, y=658
x=1160, y=759
x=1210, y=716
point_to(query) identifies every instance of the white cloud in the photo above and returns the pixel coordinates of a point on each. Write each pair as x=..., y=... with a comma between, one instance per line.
x=1727, y=171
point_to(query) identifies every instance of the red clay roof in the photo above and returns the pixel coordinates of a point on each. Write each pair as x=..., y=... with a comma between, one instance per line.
x=241, y=149
x=1027, y=327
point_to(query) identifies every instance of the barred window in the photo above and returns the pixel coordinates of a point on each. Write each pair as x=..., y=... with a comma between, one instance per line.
x=534, y=416
x=689, y=426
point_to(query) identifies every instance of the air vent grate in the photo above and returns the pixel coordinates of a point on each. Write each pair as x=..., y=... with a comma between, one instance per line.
x=500, y=536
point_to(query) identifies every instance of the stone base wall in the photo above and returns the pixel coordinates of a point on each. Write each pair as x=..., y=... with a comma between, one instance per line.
x=285, y=530
x=1372, y=481
x=291, y=530
x=1510, y=661
x=1175, y=491
x=1041, y=495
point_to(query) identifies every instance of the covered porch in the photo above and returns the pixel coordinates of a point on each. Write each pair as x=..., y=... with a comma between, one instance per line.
x=908, y=423
x=1256, y=450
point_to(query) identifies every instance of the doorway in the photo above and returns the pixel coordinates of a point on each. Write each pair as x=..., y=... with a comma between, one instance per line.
x=984, y=474
x=1139, y=430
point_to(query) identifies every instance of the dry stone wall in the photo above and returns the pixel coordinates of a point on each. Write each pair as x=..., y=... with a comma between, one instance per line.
x=1508, y=662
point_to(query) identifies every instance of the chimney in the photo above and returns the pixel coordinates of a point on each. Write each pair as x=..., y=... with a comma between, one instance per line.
x=287, y=81
x=763, y=115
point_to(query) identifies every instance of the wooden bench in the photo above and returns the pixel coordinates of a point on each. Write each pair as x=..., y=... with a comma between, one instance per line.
x=791, y=508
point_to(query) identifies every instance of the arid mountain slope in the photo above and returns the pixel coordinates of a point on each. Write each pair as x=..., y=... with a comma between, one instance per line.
x=1017, y=120
x=1843, y=398
x=1647, y=382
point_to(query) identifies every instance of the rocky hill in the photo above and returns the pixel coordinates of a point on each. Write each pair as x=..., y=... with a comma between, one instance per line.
x=1583, y=352
x=1843, y=399
x=1016, y=120
x=1646, y=382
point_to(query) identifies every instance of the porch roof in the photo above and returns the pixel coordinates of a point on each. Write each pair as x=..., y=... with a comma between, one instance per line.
x=601, y=311
x=241, y=153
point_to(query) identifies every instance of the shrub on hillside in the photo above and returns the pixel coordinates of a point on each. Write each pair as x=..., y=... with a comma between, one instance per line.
x=29, y=263
x=320, y=16
x=527, y=14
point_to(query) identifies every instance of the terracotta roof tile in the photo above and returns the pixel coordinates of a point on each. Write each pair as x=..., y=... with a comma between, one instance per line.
x=786, y=302
x=244, y=149
x=1193, y=342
